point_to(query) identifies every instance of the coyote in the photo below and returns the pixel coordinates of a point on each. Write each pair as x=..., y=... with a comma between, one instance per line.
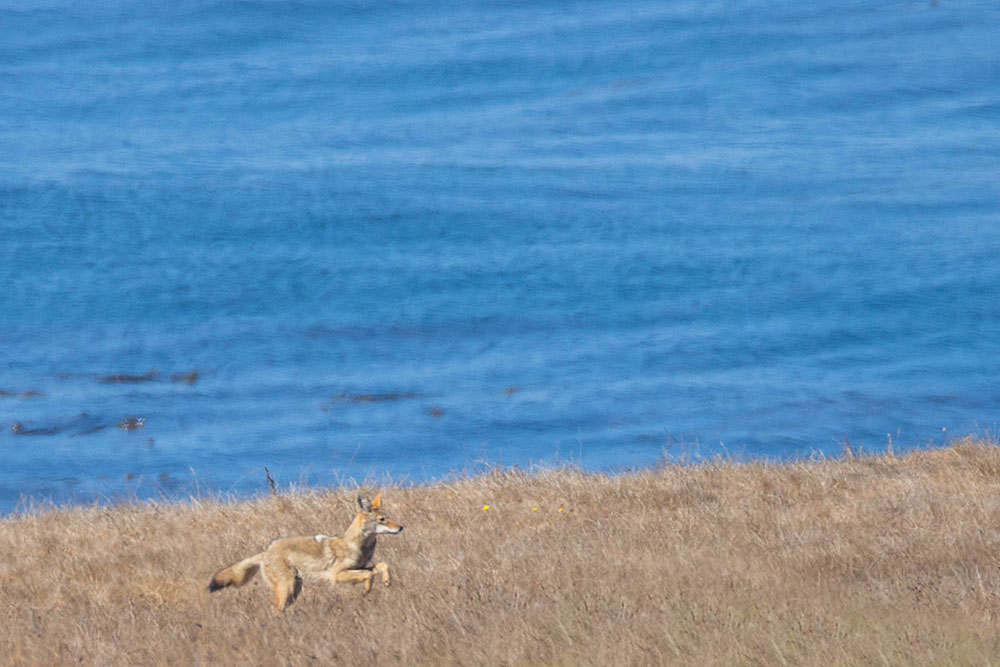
x=287, y=561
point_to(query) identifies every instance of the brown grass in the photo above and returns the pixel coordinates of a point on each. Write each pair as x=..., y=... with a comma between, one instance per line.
x=883, y=560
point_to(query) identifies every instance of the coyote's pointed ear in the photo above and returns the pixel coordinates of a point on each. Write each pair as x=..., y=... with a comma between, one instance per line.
x=377, y=501
x=364, y=504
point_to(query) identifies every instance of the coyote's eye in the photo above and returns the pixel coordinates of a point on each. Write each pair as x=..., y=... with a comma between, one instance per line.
x=382, y=519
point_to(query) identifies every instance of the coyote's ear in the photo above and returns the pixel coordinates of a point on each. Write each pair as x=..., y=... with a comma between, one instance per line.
x=377, y=501
x=364, y=504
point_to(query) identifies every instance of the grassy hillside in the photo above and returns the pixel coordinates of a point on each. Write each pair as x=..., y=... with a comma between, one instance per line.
x=853, y=561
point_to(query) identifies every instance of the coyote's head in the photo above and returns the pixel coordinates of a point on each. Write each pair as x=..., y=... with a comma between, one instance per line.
x=371, y=518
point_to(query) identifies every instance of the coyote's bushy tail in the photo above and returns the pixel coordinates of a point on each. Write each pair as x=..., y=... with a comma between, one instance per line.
x=236, y=574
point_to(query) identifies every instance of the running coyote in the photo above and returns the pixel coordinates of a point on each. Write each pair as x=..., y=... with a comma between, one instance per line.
x=287, y=561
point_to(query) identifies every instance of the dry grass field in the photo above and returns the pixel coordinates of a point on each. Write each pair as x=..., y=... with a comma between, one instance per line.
x=855, y=561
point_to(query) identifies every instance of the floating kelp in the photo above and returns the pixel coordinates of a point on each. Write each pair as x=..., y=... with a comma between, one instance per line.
x=29, y=393
x=19, y=429
x=187, y=378
x=82, y=424
x=376, y=398
x=117, y=378
x=132, y=423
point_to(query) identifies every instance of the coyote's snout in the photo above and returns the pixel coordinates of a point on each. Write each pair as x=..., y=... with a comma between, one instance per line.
x=286, y=562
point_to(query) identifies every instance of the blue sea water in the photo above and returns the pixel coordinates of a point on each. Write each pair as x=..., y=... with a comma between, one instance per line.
x=407, y=238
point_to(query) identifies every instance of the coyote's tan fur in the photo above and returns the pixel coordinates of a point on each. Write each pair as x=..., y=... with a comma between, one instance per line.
x=287, y=561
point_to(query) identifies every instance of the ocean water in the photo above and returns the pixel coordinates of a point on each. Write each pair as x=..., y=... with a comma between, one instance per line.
x=402, y=239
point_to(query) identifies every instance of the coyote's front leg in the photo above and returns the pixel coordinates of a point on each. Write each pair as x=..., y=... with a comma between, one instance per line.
x=383, y=569
x=348, y=576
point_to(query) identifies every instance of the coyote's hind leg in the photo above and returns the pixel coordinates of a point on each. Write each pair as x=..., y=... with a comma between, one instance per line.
x=284, y=583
